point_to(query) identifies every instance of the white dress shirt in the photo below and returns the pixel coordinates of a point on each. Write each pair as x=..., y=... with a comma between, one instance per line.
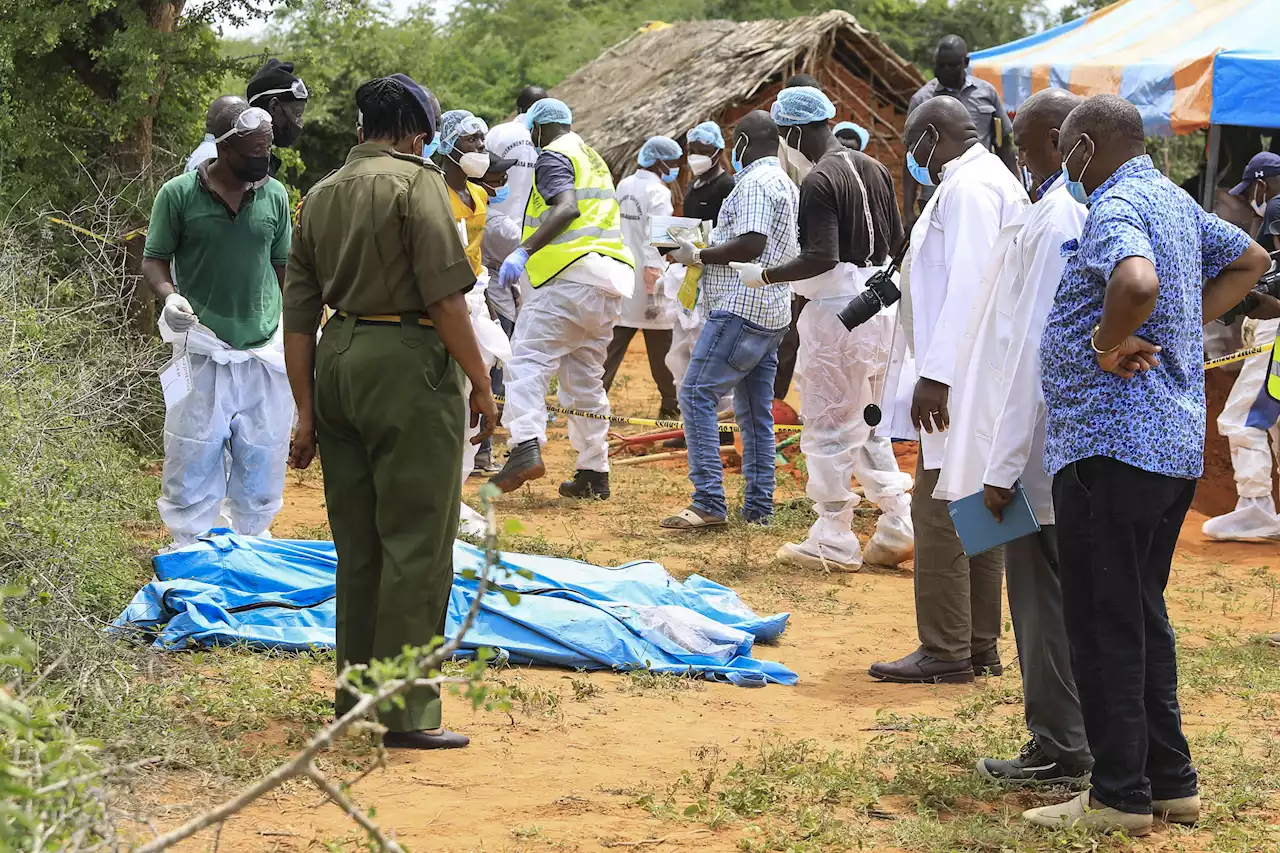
x=641, y=196
x=997, y=427
x=950, y=245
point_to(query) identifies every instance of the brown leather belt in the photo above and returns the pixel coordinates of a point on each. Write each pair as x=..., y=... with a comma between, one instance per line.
x=390, y=319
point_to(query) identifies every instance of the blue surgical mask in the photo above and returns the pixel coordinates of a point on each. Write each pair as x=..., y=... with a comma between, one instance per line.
x=431, y=147
x=670, y=176
x=500, y=195
x=921, y=173
x=735, y=159
x=1076, y=188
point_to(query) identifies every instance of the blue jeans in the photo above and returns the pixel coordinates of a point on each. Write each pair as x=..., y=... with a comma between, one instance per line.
x=732, y=355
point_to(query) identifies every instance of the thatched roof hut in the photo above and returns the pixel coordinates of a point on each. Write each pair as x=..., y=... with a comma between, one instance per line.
x=664, y=79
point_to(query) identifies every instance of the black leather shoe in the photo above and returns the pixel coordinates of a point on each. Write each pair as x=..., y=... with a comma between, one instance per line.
x=677, y=443
x=920, y=668
x=586, y=485
x=669, y=412
x=425, y=740
x=987, y=663
x=524, y=463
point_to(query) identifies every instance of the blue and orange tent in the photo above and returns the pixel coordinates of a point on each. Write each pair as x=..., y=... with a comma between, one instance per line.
x=1186, y=64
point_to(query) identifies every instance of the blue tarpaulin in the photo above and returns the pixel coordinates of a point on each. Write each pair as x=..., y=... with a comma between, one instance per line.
x=279, y=594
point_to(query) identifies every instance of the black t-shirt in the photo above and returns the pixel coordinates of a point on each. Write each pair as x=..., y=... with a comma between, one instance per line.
x=1270, y=225
x=833, y=219
x=703, y=202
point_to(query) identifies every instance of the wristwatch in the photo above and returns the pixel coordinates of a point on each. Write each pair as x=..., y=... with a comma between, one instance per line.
x=697, y=256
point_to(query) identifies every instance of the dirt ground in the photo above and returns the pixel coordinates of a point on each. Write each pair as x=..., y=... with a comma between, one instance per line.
x=568, y=777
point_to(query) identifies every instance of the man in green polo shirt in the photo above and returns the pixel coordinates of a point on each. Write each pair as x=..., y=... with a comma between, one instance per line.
x=221, y=233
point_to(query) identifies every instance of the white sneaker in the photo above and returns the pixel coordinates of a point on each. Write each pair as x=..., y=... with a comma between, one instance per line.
x=791, y=554
x=1076, y=812
x=1185, y=810
x=1253, y=518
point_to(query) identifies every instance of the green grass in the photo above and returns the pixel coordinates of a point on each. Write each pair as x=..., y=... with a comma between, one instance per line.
x=912, y=785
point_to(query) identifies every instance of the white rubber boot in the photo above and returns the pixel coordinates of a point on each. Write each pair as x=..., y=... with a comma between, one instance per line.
x=1253, y=518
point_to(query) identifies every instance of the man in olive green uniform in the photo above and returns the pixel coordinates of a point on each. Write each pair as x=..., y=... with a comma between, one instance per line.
x=382, y=392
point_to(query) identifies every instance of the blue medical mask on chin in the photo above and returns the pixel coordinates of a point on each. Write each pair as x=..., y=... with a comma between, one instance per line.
x=735, y=160
x=921, y=173
x=500, y=195
x=431, y=147
x=1074, y=187
x=670, y=176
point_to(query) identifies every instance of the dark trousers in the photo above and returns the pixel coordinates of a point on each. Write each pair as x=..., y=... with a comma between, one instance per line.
x=656, y=343
x=957, y=597
x=1044, y=653
x=1117, y=529
x=390, y=419
x=788, y=350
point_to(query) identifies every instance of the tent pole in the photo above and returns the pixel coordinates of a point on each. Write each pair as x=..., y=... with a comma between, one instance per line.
x=1211, y=174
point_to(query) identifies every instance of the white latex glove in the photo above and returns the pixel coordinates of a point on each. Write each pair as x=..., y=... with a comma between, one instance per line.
x=178, y=313
x=683, y=253
x=752, y=275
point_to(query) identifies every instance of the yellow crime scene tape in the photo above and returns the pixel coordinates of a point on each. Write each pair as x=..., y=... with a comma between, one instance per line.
x=137, y=232
x=1236, y=356
x=650, y=422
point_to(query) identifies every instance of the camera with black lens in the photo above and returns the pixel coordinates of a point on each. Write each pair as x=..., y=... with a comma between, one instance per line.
x=1268, y=284
x=881, y=292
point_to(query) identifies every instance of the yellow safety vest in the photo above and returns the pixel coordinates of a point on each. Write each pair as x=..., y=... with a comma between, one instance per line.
x=598, y=227
x=1273, y=372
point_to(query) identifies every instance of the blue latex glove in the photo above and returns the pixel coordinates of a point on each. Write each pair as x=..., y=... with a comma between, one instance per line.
x=512, y=267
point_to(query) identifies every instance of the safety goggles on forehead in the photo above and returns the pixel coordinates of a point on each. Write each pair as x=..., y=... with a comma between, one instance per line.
x=298, y=89
x=247, y=122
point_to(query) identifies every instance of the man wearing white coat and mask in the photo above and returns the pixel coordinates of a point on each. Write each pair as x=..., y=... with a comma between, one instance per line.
x=848, y=227
x=643, y=195
x=997, y=440
x=957, y=598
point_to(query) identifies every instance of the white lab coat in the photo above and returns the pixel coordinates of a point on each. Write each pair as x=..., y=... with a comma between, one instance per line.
x=997, y=422
x=642, y=196
x=950, y=245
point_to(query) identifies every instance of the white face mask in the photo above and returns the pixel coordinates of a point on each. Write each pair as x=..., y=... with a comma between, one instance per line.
x=474, y=164
x=794, y=155
x=700, y=164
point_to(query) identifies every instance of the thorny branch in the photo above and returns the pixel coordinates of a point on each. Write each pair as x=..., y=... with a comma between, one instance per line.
x=303, y=763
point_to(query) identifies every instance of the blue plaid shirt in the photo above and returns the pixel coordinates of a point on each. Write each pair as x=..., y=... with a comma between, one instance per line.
x=763, y=201
x=1154, y=421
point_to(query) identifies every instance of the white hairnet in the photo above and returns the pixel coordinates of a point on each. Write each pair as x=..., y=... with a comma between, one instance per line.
x=658, y=148
x=456, y=124
x=548, y=111
x=858, y=131
x=707, y=133
x=801, y=105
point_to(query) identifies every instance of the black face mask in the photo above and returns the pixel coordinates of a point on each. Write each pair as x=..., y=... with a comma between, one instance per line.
x=286, y=132
x=252, y=169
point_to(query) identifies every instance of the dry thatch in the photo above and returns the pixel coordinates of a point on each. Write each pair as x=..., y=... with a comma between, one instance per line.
x=664, y=79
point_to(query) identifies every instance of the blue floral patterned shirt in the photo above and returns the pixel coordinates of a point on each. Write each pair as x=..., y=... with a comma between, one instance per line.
x=1154, y=421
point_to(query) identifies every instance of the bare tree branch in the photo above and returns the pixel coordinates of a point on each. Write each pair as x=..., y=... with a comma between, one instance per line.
x=303, y=763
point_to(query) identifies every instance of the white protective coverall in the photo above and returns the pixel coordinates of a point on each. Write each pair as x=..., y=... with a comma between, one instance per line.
x=240, y=402
x=1255, y=514
x=641, y=196
x=997, y=428
x=843, y=371
x=494, y=347
x=564, y=330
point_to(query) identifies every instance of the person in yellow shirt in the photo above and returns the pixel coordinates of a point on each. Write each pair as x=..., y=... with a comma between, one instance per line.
x=465, y=159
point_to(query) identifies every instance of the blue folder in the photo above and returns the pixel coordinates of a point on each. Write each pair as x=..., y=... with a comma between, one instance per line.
x=978, y=529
